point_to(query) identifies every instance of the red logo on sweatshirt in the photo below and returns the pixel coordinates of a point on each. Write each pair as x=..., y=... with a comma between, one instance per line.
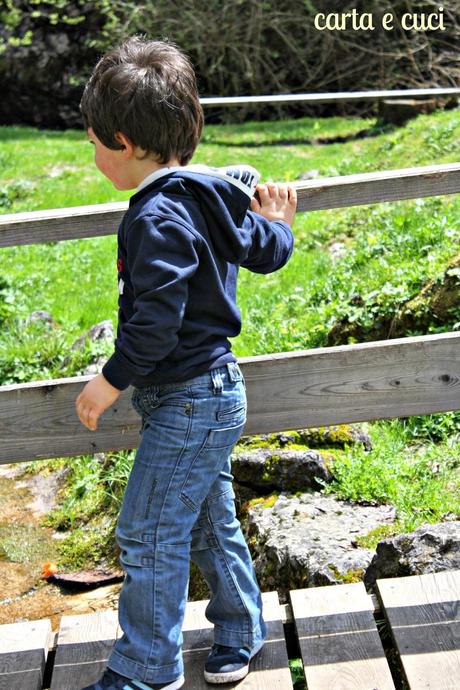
x=119, y=265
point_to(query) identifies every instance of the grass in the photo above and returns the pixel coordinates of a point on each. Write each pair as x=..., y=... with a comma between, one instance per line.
x=421, y=480
x=392, y=250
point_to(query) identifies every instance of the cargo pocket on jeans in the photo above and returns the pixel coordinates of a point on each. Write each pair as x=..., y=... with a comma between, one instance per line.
x=207, y=463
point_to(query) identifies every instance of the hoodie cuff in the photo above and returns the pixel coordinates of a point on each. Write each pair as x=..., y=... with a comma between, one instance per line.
x=114, y=370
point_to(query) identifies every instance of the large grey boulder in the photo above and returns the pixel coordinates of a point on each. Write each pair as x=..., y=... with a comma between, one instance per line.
x=429, y=549
x=310, y=539
x=264, y=470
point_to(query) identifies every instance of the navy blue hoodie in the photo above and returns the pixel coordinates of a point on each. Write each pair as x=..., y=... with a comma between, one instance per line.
x=186, y=232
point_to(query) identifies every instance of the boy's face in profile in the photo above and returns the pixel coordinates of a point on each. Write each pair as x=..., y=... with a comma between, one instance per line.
x=110, y=162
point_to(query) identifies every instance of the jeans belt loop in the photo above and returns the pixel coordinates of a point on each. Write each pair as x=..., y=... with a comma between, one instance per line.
x=217, y=383
x=232, y=369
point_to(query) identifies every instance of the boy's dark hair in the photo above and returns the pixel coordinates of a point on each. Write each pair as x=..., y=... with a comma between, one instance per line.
x=147, y=91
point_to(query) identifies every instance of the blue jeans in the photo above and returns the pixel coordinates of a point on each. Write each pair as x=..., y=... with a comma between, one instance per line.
x=179, y=504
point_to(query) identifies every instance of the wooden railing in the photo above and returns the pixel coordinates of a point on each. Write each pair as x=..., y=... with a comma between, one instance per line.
x=392, y=378
x=334, y=97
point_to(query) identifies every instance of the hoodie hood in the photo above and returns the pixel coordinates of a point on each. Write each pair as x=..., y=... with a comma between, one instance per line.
x=224, y=195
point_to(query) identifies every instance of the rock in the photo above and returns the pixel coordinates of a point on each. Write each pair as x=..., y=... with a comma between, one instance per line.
x=437, y=304
x=97, y=333
x=429, y=549
x=308, y=175
x=335, y=436
x=337, y=250
x=310, y=539
x=41, y=316
x=100, y=331
x=264, y=470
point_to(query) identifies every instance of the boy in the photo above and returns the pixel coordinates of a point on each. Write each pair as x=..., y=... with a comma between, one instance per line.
x=186, y=232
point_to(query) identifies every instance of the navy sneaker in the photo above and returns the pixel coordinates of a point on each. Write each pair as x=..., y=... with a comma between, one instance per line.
x=228, y=664
x=114, y=681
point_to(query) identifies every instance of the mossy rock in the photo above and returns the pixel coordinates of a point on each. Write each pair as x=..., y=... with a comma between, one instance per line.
x=335, y=436
x=437, y=304
x=264, y=470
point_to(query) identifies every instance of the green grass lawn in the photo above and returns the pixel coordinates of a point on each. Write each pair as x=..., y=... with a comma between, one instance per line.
x=392, y=250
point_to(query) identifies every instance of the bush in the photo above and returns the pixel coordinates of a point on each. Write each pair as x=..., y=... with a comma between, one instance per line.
x=238, y=47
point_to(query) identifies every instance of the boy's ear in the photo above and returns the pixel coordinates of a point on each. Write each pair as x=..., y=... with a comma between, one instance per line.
x=127, y=146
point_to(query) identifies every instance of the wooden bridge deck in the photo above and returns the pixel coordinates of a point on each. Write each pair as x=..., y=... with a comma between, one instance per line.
x=335, y=630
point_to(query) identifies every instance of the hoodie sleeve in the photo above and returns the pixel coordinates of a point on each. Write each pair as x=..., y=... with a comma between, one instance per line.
x=162, y=257
x=271, y=244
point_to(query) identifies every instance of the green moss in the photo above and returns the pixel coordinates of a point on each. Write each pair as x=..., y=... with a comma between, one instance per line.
x=371, y=539
x=352, y=576
x=264, y=501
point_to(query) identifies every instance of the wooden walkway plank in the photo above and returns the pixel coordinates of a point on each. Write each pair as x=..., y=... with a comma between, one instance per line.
x=23, y=654
x=339, y=641
x=424, y=615
x=269, y=669
x=83, y=646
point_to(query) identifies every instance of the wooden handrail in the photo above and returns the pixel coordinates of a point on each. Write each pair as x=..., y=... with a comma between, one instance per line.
x=313, y=195
x=290, y=390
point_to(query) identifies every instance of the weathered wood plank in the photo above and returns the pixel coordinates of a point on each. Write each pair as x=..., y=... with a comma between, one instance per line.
x=351, y=383
x=269, y=669
x=85, y=641
x=424, y=615
x=60, y=224
x=337, y=97
x=83, y=647
x=338, y=638
x=23, y=654
x=313, y=195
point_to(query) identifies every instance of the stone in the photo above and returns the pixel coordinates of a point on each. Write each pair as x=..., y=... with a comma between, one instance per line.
x=308, y=175
x=100, y=331
x=335, y=436
x=310, y=539
x=437, y=304
x=428, y=549
x=337, y=250
x=97, y=333
x=41, y=316
x=265, y=470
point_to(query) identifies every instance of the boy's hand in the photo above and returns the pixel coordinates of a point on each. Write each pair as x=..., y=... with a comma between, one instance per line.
x=94, y=399
x=276, y=201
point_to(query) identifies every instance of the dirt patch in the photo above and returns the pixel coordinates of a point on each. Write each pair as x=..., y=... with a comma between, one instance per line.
x=25, y=545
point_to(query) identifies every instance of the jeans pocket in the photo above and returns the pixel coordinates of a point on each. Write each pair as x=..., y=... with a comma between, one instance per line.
x=235, y=414
x=207, y=464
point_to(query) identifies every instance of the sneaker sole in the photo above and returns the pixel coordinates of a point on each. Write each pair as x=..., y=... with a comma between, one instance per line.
x=139, y=685
x=232, y=676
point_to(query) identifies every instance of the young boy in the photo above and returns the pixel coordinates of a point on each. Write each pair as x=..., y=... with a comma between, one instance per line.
x=186, y=232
